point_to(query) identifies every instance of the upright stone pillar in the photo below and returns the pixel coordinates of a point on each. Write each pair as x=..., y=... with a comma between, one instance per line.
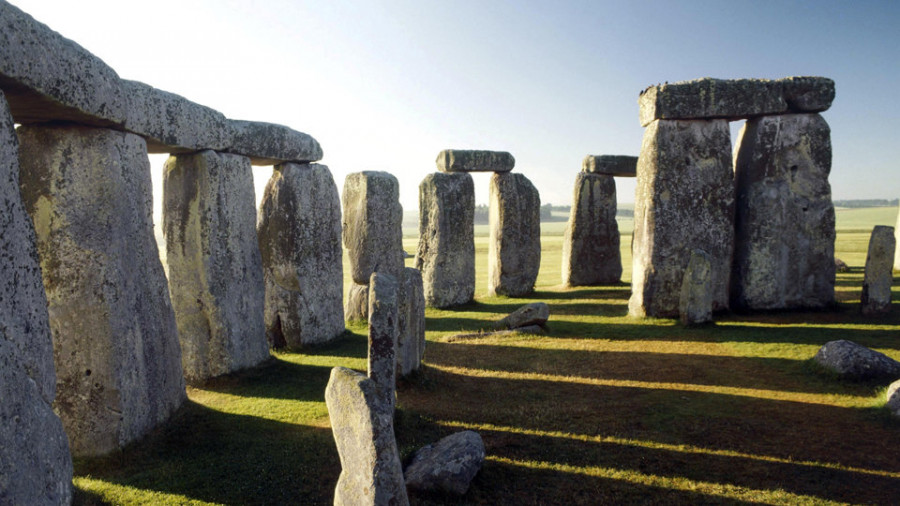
x=684, y=201
x=300, y=240
x=784, y=222
x=446, y=253
x=514, y=250
x=118, y=361
x=384, y=331
x=876, y=291
x=590, y=252
x=215, y=270
x=411, y=342
x=35, y=465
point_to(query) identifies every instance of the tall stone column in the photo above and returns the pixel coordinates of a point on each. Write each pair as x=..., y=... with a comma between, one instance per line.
x=876, y=290
x=118, y=361
x=684, y=201
x=384, y=332
x=590, y=252
x=784, y=222
x=446, y=253
x=215, y=271
x=300, y=240
x=514, y=250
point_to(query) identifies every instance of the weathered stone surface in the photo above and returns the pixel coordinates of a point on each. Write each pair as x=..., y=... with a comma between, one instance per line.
x=876, y=290
x=807, y=93
x=118, y=361
x=535, y=313
x=840, y=266
x=611, y=165
x=384, y=332
x=695, y=306
x=271, y=144
x=784, y=221
x=411, y=341
x=854, y=361
x=897, y=241
x=171, y=123
x=35, y=465
x=299, y=233
x=466, y=160
x=363, y=429
x=372, y=221
x=215, y=270
x=590, y=254
x=446, y=253
x=48, y=77
x=357, y=306
x=447, y=466
x=708, y=98
x=892, y=396
x=684, y=201
x=514, y=251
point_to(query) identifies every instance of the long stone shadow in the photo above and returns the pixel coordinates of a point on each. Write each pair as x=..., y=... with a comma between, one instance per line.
x=231, y=459
x=276, y=379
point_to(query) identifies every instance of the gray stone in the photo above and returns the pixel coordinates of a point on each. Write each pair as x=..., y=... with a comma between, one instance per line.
x=411, y=341
x=300, y=240
x=357, y=305
x=363, y=429
x=47, y=77
x=590, y=252
x=465, y=160
x=271, y=144
x=611, y=165
x=446, y=252
x=695, y=305
x=384, y=332
x=853, y=361
x=876, y=290
x=784, y=220
x=447, y=466
x=684, y=201
x=171, y=123
x=807, y=93
x=35, y=465
x=514, y=250
x=118, y=361
x=892, y=398
x=840, y=266
x=372, y=221
x=897, y=241
x=535, y=313
x=215, y=270
x=708, y=98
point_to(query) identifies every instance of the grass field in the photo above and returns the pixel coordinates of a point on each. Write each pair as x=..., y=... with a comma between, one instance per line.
x=603, y=409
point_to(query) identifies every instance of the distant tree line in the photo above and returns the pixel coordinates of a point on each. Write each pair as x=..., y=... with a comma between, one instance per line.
x=549, y=212
x=867, y=203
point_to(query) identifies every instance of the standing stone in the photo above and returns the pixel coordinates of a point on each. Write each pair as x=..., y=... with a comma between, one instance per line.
x=695, y=305
x=514, y=251
x=363, y=429
x=372, y=226
x=215, y=270
x=876, y=291
x=35, y=465
x=357, y=308
x=411, y=343
x=784, y=221
x=897, y=241
x=118, y=361
x=300, y=241
x=590, y=254
x=446, y=254
x=384, y=331
x=684, y=201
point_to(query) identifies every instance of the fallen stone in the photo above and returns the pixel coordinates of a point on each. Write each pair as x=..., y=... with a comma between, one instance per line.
x=447, y=466
x=271, y=144
x=372, y=221
x=535, y=313
x=611, y=165
x=696, y=293
x=684, y=201
x=840, y=266
x=357, y=305
x=363, y=429
x=384, y=332
x=853, y=361
x=215, y=270
x=299, y=232
x=590, y=254
x=784, y=220
x=876, y=290
x=446, y=251
x=119, y=373
x=461, y=160
x=411, y=342
x=514, y=248
x=708, y=98
x=892, y=396
x=807, y=93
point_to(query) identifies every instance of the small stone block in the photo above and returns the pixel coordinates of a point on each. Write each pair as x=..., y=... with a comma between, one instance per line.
x=462, y=160
x=613, y=165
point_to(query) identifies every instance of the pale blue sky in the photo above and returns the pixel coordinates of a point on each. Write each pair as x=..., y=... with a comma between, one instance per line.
x=387, y=84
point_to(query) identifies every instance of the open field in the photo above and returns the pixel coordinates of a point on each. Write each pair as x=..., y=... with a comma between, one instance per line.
x=603, y=409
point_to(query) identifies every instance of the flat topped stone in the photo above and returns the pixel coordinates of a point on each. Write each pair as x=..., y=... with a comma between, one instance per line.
x=464, y=160
x=271, y=144
x=613, y=165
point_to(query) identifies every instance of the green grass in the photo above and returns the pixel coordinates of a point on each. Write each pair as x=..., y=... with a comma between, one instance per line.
x=602, y=409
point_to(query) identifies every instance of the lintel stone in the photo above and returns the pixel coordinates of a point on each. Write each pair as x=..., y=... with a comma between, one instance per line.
x=271, y=144
x=613, y=165
x=464, y=160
